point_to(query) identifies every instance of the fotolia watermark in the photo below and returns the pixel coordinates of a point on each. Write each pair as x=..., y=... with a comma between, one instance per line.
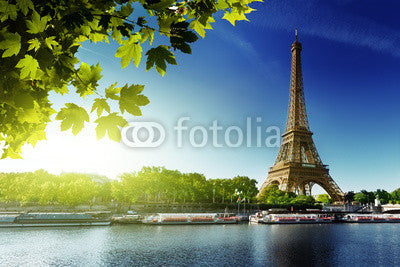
x=153, y=134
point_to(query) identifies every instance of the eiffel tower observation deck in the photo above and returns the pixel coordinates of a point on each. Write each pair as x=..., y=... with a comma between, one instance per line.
x=298, y=166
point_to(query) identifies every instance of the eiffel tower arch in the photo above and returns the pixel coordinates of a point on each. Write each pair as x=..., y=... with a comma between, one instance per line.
x=298, y=166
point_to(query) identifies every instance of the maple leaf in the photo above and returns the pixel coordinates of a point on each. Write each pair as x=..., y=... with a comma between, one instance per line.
x=72, y=116
x=37, y=24
x=11, y=44
x=131, y=98
x=7, y=11
x=147, y=33
x=49, y=41
x=100, y=104
x=200, y=27
x=34, y=44
x=28, y=66
x=159, y=56
x=237, y=13
x=25, y=5
x=87, y=78
x=130, y=51
x=112, y=91
x=110, y=125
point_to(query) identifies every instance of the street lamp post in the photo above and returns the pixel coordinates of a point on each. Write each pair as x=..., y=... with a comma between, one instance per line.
x=213, y=195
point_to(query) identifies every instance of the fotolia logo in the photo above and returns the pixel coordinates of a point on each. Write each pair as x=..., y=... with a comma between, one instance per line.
x=143, y=134
x=152, y=134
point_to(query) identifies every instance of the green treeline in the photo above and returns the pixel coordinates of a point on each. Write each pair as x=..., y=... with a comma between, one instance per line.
x=151, y=184
x=272, y=195
x=156, y=185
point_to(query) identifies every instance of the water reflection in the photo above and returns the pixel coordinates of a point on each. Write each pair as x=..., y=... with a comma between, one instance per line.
x=244, y=245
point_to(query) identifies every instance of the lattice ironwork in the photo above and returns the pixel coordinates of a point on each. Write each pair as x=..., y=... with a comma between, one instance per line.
x=298, y=166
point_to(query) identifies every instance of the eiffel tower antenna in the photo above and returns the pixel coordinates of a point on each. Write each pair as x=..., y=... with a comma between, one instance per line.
x=298, y=166
x=295, y=32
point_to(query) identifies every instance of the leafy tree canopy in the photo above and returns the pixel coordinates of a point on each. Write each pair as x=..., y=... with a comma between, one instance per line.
x=323, y=198
x=383, y=196
x=38, y=45
x=395, y=196
x=273, y=195
x=150, y=184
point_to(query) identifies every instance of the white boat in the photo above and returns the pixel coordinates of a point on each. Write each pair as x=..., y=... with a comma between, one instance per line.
x=393, y=218
x=296, y=219
x=257, y=217
x=372, y=218
x=189, y=218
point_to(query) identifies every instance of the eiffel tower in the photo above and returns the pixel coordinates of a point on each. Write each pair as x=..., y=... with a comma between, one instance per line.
x=298, y=166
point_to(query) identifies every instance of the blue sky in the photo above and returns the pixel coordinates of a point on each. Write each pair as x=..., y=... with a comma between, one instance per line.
x=351, y=67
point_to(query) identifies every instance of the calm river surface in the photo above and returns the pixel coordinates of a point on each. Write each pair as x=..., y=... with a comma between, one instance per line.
x=204, y=245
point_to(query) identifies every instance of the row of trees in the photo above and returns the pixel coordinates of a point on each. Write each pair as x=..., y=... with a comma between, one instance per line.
x=365, y=197
x=157, y=184
x=151, y=184
x=273, y=195
x=45, y=188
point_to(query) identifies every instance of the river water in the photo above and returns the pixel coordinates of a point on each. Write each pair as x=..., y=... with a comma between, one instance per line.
x=203, y=245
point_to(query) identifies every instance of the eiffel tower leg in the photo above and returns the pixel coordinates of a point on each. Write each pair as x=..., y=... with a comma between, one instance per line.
x=309, y=188
x=331, y=188
x=302, y=190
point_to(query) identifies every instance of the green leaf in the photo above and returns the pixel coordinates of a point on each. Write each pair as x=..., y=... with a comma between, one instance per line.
x=112, y=91
x=130, y=50
x=234, y=15
x=164, y=24
x=24, y=100
x=100, y=104
x=86, y=79
x=222, y=4
x=7, y=11
x=180, y=37
x=37, y=24
x=147, y=33
x=11, y=153
x=49, y=41
x=198, y=27
x=131, y=98
x=39, y=134
x=29, y=115
x=159, y=56
x=34, y=44
x=161, y=5
x=11, y=44
x=126, y=10
x=28, y=66
x=61, y=90
x=110, y=125
x=72, y=116
x=25, y=5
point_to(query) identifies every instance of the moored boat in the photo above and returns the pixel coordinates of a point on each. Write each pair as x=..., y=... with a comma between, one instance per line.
x=257, y=217
x=52, y=219
x=294, y=218
x=394, y=219
x=189, y=218
x=358, y=218
x=127, y=219
x=372, y=218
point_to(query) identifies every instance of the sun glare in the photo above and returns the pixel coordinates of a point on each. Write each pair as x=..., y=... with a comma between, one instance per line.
x=64, y=152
